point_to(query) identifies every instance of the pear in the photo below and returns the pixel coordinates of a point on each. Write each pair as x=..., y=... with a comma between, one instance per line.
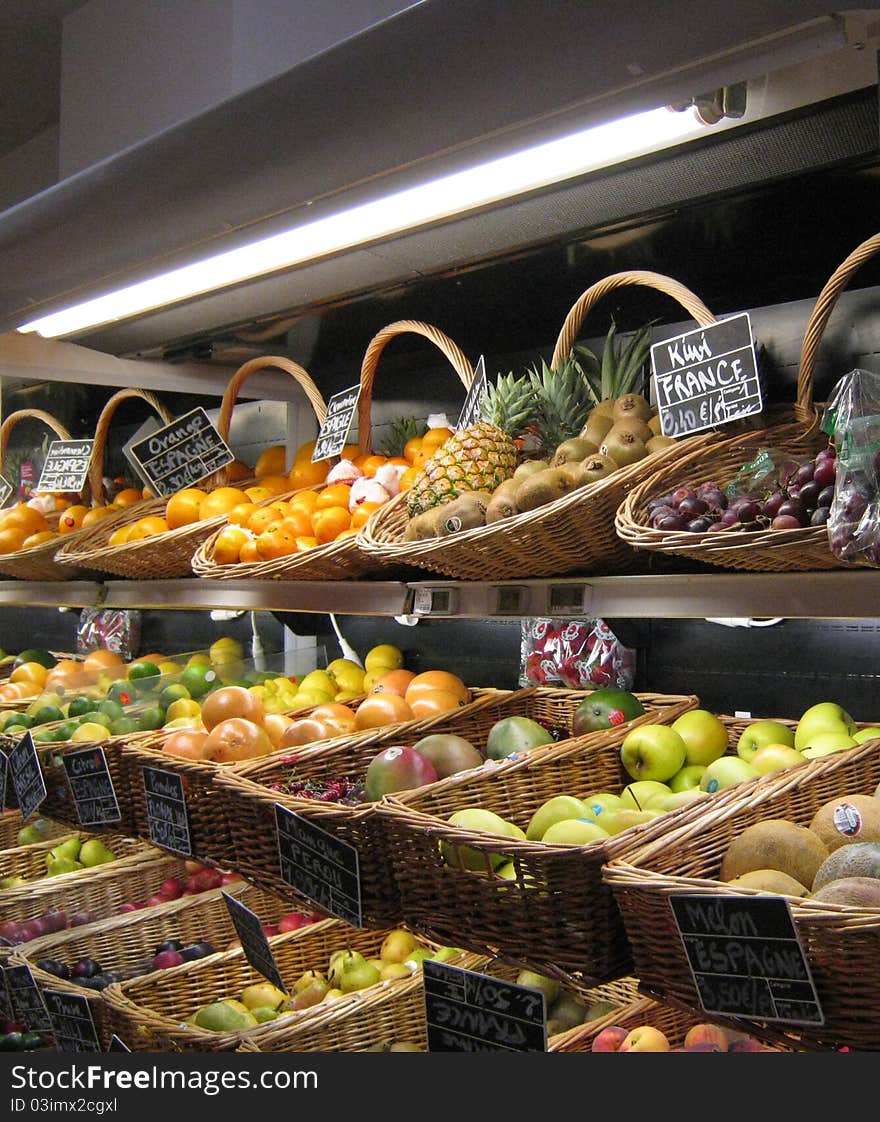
x=313, y=994
x=564, y=1013
x=69, y=848
x=12, y=882
x=222, y=1016
x=549, y=987
x=397, y=945
x=94, y=852
x=306, y=979
x=55, y=866
x=632, y=405
x=263, y=995
x=351, y=972
x=393, y=970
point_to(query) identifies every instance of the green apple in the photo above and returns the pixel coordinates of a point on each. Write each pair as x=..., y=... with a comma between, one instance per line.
x=726, y=772
x=653, y=752
x=686, y=779
x=479, y=821
x=554, y=810
x=827, y=716
x=775, y=757
x=873, y=733
x=822, y=743
x=602, y=802
x=760, y=733
x=636, y=796
x=678, y=799
x=704, y=736
x=574, y=831
x=624, y=818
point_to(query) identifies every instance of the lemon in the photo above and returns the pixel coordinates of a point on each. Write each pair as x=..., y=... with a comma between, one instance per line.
x=373, y=676
x=260, y=691
x=184, y=707
x=348, y=675
x=225, y=649
x=199, y=660
x=384, y=655
x=319, y=680
x=348, y=695
x=184, y=723
x=90, y=731
x=308, y=698
x=169, y=667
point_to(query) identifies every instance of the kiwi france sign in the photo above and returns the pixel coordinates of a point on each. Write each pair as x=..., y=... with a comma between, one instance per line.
x=91, y=786
x=706, y=377
x=470, y=1012
x=334, y=431
x=27, y=776
x=26, y=1000
x=167, y=816
x=746, y=957
x=180, y=454
x=254, y=942
x=319, y=865
x=67, y=466
x=72, y=1024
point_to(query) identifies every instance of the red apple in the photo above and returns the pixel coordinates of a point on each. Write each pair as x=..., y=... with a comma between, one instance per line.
x=208, y=879
x=230, y=878
x=128, y=908
x=293, y=921
x=154, y=900
x=609, y=1039
x=270, y=929
x=193, y=867
x=171, y=889
x=645, y=1038
x=704, y=1033
x=164, y=959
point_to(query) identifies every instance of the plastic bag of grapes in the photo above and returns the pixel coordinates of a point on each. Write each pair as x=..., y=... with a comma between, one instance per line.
x=852, y=420
x=575, y=654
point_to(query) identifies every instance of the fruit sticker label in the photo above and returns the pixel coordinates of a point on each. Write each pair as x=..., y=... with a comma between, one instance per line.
x=26, y=1000
x=706, y=377
x=27, y=776
x=66, y=467
x=470, y=1012
x=847, y=820
x=746, y=958
x=470, y=411
x=72, y=1024
x=6, y=489
x=180, y=454
x=167, y=816
x=254, y=941
x=91, y=786
x=333, y=434
x=320, y=866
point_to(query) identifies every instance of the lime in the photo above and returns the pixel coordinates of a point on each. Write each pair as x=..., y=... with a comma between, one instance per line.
x=198, y=679
x=172, y=693
x=44, y=736
x=80, y=705
x=36, y=654
x=122, y=692
x=96, y=718
x=65, y=731
x=47, y=713
x=140, y=670
x=124, y=725
x=150, y=719
x=21, y=720
x=111, y=708
x=15, y=730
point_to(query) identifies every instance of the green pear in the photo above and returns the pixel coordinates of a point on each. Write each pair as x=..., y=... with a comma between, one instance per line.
x=397, y=945
x=12, y=882
x=549, y=987
x=351, y=972
x=94, y=852
x=69, y=848
x=219, y=1016
x=552, y=811
x=565, y=1013
x=34, y=832
x=418, y=956
x=58, y=865
x=392, y=970
x=263, y=1013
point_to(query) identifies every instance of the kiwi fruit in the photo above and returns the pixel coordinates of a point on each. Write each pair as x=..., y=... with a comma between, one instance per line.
x=633, y=425
x=656, y=443
x=655, y=426
x=425, y=525
x=632, y=405
x=605, y=408
x=771, y=880
x=846, y=820
x=857, y=892
x=859, y=860
x=775, y=843
x=598, y=424
x=624, y=447
x=467, y=512
x=502, y=503
x=542, y=488
x=594, y=468
x=573, y=469
x=529, y=467
x=573, y=450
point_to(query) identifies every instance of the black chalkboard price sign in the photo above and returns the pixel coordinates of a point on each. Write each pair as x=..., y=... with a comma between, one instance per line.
x=167, y=816
x=180, y=454
x=470, y=1012
x=72, y=1024
x=4, y=771
x=27, y=776
x=66, y=467
x=746, y=957
x=706, y=377
x=254, y=942
x=6, y=1010
x=319, y=865
x=470, y=412
x=334, y=431
x=117, y=1045
x=91, y=786
x=26, y=1000
x=6, y=489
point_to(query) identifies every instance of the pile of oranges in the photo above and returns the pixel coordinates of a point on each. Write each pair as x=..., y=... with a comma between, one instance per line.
x=31, y=679
x=24, y=526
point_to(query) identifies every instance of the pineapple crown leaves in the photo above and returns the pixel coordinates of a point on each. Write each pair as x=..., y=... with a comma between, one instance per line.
x=402, y=430
x=509, y=403
x=564, y=397
x=621, y=368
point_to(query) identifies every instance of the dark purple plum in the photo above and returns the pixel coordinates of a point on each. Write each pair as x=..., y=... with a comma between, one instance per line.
x=804, y=474
x=826, y=496
x=809, y=495
x=820, y=516
x=670, y=522
x=691, y=507
x=55, y=967
x=698, y=525
x=794, y=507
x=825, y=472
x=785, y=522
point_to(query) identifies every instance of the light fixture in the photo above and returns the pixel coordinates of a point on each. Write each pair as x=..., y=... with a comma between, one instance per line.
x=481, y=185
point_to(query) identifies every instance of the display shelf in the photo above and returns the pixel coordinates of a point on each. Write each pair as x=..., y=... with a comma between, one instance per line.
x=50, y=594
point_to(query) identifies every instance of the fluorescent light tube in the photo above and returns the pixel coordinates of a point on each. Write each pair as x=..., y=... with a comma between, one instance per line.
x=449, y=195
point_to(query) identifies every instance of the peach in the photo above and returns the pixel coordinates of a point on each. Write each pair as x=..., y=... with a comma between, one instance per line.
x=609, y=1039
x=645, y=1038
x=704, y=1033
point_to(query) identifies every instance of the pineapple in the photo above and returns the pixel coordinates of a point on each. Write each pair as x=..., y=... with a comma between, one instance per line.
x=620, y=371
x=563, y=399
x=481, y=456
x=403, y=429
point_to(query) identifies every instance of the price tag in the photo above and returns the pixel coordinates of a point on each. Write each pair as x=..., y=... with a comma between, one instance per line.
x=569, y=599
x=254, y=942
x=26, y=999
x=91, y=786
x=67, y=466
x=4, y=771
x=706, y=377
x=334, y=432
x=6, y=489
x=470, y=1012
x=746, y=958
x=167, y=816
x=72, y=1023
x=319, y=865
x=435, y=601
x=117, y=1045
x=6, y=1010
x=511, y=599
x=470, y=412
x=180, y=454
x=27, y=776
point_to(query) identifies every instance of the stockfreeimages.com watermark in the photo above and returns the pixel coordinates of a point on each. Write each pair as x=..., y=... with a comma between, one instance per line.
x=93, y=1077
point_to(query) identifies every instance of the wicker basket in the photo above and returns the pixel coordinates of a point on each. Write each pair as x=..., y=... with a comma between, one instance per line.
x=572, y=534
x=801, y=550
x=160, y=1003
x=169, y=554
x=252, y=790
x=11, y=822
x=128, y=941
x=840, y=943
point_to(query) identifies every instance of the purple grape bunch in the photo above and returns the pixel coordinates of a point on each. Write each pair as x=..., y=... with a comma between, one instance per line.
x=796, y=496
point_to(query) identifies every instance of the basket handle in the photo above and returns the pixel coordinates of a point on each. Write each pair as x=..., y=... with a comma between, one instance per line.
x=377, y=345
x=584, y=304
x=96, y=471
x=821, y=313
x=33, y=415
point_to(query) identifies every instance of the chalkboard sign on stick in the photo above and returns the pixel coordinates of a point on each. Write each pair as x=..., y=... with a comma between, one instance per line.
x=4, y=770
x=470, y=1012
x=6, y=1010
x=746, y=958
x=66, y=467
x=470, y=412
x=91, y=786
x=254, y=941
x=319, y=865
x=72, y=1023
x=6, y=489
x=27, y=776
x=167, y=816
x=26, y=999
x=706, y=377
x=117, y=1045
x=334, y=431
x=180, y=454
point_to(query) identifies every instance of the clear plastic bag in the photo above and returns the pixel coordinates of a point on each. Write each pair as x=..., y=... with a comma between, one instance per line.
x=109, y=629
x=574, y=654
x=852, y=420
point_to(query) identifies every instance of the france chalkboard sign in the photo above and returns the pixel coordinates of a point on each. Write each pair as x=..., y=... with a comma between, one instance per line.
x=66, y=467
x=91, y=786
x=26, y=999
x=706, y=377
x=470, y=412
x=254, y=941
x=180, y=454
x=27, y=776
x=4, y=770
x=167, y=817
x=746, y=957
x=72, y=1023
x=334, y=431
x=6, y=489
x=319, y=865
x=470, y=1012
x=6, y=1010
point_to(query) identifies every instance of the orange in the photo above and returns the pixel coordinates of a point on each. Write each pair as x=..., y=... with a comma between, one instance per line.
x=330, y=521
x=336, y=494
x=97, y=513
x=399, y=461
x=262, y=518
x=13, y=691
x=258, y=494
x=60, y=502
x=412, y=448
x=380, y=709
x=221, y=501
x=372, y=463
x=395, y=681
x=103, y=660
x=277, y=484
x=361, y=459
x=71, y=519
x=304, y=500
x=182, y=509
x=240, y=514
x=408, y=478
x=361, y=513
x=421, y=458
x=24, y=517
x=12, y=538
x=338, y=716
x=272, y=462
x=306, y=474
x=248, y=552
x=350, y=451
x=431, y=680
x=305, y=451
x=236, y=471
x=308, y=541
x=433, y=439
x=433, y=702
x=147, y=527
x=227, y=545
x=275, y=542
x=30, y=672
x=39, y=539
x=297, y=522
x=128, y=496
x=120, y=536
